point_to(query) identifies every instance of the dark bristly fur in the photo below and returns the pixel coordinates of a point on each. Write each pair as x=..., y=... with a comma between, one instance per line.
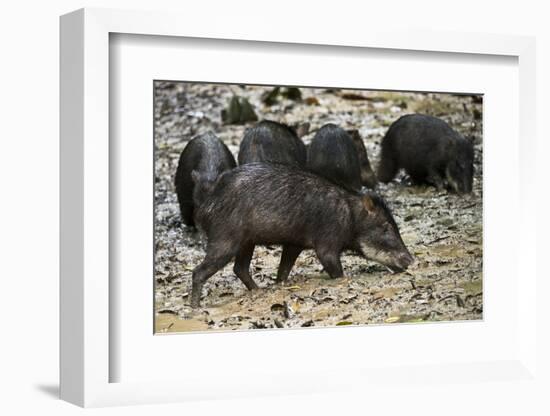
x=430, y=151
x=332, y=154
x=368, y=178
x=269, y=141
x=204, y=158
x=276, y=204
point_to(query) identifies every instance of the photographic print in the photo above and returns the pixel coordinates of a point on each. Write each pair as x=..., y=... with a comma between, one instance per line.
x=282, y=207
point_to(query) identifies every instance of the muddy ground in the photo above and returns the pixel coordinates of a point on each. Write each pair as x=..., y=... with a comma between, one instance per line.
x=442, y=230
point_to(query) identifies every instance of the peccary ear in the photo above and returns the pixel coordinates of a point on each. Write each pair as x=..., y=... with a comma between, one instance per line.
x=368, y=203
x=196, y=176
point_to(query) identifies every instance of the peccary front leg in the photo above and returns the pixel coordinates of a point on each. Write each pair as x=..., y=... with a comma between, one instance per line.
x=186, y=209
x=330, y=260
x=288, y=258
x=242, y=266
x=436, y=177
x=216, y=258
x=436, y=180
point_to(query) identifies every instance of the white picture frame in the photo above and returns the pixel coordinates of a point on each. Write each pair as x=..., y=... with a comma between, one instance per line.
x=86, y=356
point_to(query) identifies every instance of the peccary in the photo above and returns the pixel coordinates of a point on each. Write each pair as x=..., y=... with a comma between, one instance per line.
x=269, y=141
x=204, y=158
x=261, y=203
x=333, y=155
x=430, y=151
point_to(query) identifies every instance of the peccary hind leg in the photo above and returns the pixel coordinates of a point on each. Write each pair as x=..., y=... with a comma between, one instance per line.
x=288, y=258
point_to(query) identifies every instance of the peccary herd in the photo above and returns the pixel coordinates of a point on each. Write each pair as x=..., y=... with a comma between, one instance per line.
x=284, y=193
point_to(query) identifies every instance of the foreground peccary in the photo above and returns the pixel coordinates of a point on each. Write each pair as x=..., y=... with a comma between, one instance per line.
x=204, y=158
x=333, y=154
x=261, y=203
x=269, y=141
x=430, y=151
x=368, y=178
